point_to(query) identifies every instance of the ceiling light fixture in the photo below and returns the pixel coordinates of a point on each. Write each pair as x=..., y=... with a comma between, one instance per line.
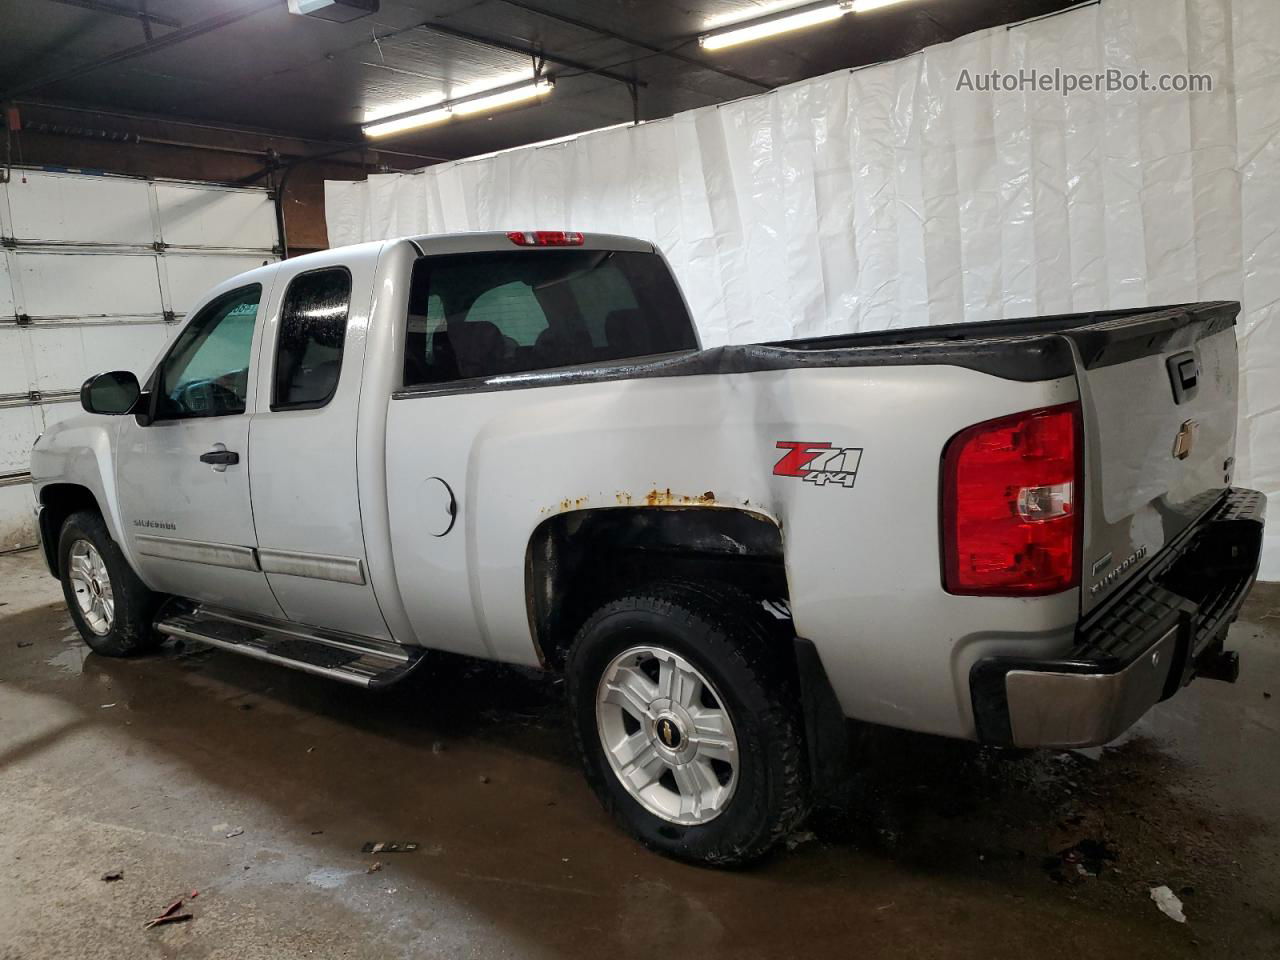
x=784, y=21
x=461, y=107
x=339, y=11
x=862, y=6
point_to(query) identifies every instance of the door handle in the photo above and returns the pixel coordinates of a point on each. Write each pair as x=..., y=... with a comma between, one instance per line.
x=221, y=458
x=1188, y=373
x=1184, y=375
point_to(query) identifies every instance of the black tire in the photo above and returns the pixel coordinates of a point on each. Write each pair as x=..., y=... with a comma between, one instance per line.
x=130, y=631
x=720, y=632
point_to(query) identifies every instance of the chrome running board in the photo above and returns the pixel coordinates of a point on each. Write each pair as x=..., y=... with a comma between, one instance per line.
x=362, y=661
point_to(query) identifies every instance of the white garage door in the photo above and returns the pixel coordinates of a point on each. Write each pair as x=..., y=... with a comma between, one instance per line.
x=95, y=273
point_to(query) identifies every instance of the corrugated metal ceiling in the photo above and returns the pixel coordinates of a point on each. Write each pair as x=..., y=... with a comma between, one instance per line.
x=289, y=74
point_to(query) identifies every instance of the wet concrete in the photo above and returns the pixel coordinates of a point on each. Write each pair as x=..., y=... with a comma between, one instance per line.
x=25, y=583
x=146, y=767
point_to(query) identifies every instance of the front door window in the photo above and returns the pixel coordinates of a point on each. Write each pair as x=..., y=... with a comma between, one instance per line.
x=206, y=373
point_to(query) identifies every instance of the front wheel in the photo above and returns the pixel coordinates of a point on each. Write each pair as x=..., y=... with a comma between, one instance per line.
x=686, y=717
x=111, y=607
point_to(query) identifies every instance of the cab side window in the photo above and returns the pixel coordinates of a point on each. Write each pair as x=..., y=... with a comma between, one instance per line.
x=313, y=328
x=206, y=372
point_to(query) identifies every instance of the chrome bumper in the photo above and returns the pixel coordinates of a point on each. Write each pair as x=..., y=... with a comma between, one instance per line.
x=1063, y=710
x=1142, y=648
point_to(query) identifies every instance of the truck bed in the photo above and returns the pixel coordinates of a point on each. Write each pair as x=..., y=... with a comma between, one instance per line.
x=1024, y=349
x=1032, y=348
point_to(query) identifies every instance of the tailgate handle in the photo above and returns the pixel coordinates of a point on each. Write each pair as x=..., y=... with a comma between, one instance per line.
x=1184, y=375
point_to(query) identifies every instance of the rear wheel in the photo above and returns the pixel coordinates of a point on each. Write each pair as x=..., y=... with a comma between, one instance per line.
x=111, y=607
x=686, y=717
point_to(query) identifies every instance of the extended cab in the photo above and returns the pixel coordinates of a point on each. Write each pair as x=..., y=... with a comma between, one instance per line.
x=512, y=446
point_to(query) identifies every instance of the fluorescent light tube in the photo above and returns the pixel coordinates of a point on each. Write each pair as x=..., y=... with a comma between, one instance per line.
x=422, y=118
x=335, y=11
x=783, y=23
x=477, y=103
x=536, y=89
x=862, y=6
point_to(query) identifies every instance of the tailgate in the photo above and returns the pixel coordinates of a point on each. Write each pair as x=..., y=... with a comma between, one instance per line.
x=1159, y=395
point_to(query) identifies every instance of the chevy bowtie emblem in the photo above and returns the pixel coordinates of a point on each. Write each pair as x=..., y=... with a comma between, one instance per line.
x=1185, y=440
x=669, y=733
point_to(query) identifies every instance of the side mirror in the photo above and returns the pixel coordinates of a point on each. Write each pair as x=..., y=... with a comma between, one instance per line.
x=114, y=393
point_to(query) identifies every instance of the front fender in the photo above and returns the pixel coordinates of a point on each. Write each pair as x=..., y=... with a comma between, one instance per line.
x=81, y=452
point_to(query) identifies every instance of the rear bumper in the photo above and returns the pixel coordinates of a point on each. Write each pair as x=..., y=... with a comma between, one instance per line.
x=1141, y=648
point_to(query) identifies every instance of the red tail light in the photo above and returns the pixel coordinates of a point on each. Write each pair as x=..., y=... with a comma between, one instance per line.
x=1011, y=509
x=545, y=238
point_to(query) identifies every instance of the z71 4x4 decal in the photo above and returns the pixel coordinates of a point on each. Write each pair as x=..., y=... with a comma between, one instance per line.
x=819, y=463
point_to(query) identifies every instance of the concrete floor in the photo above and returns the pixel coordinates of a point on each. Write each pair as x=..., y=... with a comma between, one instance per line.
x=147, y=766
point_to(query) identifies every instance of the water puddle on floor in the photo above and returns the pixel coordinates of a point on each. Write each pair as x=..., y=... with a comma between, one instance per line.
x=71, y=659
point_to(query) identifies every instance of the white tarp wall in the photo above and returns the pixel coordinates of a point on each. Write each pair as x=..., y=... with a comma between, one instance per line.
x=885, y=197
x=95, y=274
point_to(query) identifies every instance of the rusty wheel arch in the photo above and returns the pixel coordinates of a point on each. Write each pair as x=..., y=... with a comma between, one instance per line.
x=579, y=559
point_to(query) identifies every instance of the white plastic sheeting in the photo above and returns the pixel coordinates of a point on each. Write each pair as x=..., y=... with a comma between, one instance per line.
x=886, y=197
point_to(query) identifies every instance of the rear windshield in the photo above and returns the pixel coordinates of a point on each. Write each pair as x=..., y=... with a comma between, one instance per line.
x=482, y=314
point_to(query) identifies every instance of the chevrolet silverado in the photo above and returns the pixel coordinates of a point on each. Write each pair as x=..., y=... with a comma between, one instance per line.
x=513, y=446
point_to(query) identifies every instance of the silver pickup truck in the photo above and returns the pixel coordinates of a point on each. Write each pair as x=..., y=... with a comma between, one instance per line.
x=512, y=446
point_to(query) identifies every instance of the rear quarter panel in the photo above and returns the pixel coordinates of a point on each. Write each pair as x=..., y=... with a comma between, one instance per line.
x=862, y=562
